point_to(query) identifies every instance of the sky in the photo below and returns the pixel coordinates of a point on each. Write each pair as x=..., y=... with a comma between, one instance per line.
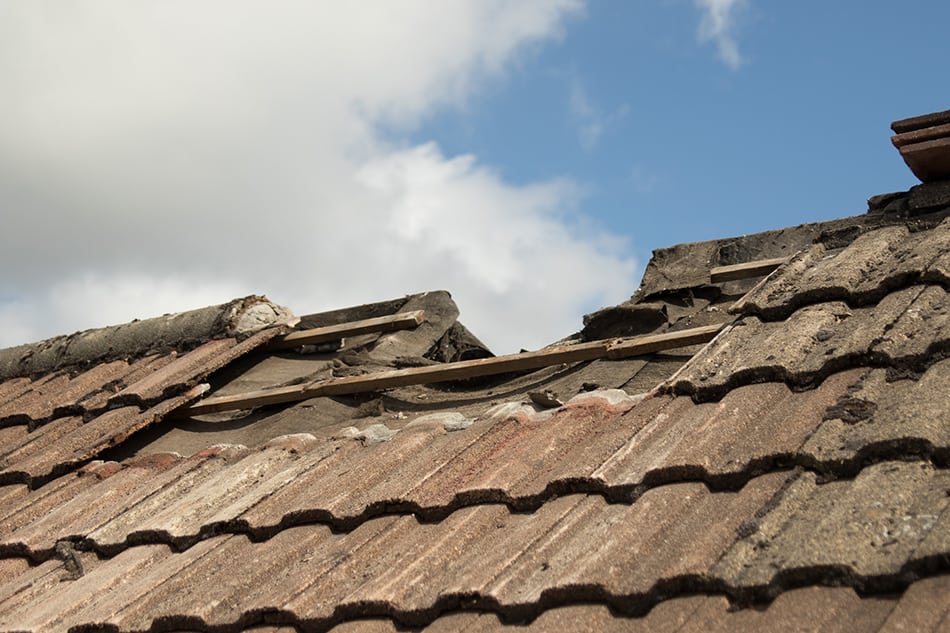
x=526, y=156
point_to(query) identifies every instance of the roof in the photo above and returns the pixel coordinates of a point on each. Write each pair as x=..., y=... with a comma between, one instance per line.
x=790, y=474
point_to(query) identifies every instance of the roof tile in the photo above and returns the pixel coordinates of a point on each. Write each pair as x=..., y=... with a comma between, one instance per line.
x=874, y=264
x=876, y=414
x=906, y=329
x=173, y=377
x=869, y=527
x=925, y=606
x=828, y=609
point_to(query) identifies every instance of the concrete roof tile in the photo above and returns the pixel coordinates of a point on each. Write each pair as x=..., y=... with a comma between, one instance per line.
x=831, y=609
x=876, y=263
x=869, y=527
x=803, y=447
x=176, y=375
x=875, y=414
x=11, y=389
x=924, y=607
x=667, y=617
x=906, y=329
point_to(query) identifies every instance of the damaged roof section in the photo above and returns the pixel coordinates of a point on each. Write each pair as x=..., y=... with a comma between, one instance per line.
x=67, y=399
x=795, y=467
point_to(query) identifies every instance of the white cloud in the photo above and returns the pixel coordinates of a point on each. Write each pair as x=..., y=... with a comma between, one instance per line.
x=163, y=156
x=717, y=25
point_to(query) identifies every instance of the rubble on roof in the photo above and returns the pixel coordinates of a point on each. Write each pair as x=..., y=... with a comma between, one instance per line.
x=796, y=466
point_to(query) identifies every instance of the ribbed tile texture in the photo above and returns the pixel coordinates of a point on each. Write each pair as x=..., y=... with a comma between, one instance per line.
x=506, y=457
x=53, y=423
x=778, y=528
x=905, y=331
x=794, y=473
x=863, y=273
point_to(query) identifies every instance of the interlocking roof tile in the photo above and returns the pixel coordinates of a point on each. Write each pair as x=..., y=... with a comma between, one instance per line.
x=906, y=331
x=63, y=419
x=792, y=473
x=875, y=264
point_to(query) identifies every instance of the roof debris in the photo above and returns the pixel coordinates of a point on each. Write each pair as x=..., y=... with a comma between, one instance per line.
x=794, y=466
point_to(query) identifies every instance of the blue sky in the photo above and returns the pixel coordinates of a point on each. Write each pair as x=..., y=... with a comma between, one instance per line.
x=526, y=156
x=693, y=147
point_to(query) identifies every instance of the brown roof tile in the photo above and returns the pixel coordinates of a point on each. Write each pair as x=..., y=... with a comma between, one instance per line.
x=156, y=385
x=522, y=458
x=868, y=529
x=906, y=330
x=804, y=447
x=925, y=606
x=920, y=122
x=874, y=264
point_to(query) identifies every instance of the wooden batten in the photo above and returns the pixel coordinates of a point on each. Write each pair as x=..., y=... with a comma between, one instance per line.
x=611, y=348
x=390, y=323
x=747, y=270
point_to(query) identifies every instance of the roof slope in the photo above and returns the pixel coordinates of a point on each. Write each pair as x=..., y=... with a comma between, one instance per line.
x=796, y=466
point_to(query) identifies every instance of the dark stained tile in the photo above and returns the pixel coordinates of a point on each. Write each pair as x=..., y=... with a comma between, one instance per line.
x=672, y=531
x=906, y=328
x=921, y=330
x=873, y=525
x=756, y=425
x=874, y=264
x=875, y=414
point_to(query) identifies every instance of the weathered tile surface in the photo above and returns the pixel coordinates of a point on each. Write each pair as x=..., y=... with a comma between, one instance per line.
x=797, y=465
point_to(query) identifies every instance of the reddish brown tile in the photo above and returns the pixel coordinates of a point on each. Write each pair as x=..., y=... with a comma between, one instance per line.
x=173, y=377
x=924, y=607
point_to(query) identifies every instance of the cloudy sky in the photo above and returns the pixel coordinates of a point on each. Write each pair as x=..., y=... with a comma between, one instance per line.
x=525, y=156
